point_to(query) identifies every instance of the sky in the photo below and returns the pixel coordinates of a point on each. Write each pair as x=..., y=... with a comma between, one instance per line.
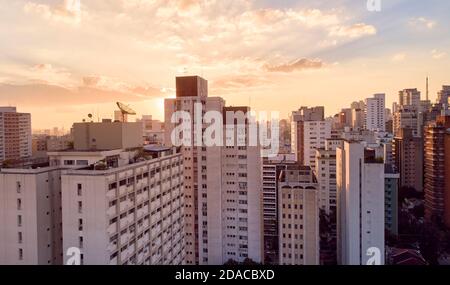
x=63, y=59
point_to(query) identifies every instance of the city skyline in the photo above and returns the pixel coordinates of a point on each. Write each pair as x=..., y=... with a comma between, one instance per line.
x=70, y=58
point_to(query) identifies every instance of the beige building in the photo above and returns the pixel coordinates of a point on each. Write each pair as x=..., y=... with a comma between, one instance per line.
x=223, y=189
x=107, y=136
x=15, y=134
x=298, y=216
x=408, y=154
x=30, y=216
x=325, y=171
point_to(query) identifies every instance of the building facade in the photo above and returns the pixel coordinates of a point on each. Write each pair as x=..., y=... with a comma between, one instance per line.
x=360, y=218
x=375, y=113
x=437, y=171
x=298, y=216
x=15, y=134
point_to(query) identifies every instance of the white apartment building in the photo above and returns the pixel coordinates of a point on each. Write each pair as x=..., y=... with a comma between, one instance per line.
x=298, y=216
x=30, y=216
x=325, y=172
x=223, y=188
x=375, y=113
x=15, y=134
x=126, y=215
x=360, y=219
x=201, y=165
x=315, y=134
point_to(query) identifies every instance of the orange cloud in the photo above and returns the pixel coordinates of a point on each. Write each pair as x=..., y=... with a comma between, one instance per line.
x=297, y=65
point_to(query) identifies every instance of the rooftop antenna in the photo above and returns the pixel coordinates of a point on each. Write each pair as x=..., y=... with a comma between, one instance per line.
x=125, y=110
x=428, y=93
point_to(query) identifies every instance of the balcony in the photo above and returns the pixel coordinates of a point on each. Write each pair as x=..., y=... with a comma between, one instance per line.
x=112, y=229
x=113, y=261
x=123, y=223
x=124, y=239
x=122, y=190
x=111, y=212
x=111, y=194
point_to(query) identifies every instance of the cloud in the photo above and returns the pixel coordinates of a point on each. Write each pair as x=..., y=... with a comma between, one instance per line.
x=44, y=94
x=235, y=82
x=353, y=31
x=297, y=65
x=69, y=11
x=436, y=54
x=422, y=23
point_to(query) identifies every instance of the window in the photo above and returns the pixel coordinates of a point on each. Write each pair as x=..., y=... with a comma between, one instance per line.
x=19, y=187
x=80, y=207
x=82, y=162
x=79, y=189
x=20, y=254
x=80, y=224
x=19, y=220
x=20, y=237
x=19, y=204
x=69, y=162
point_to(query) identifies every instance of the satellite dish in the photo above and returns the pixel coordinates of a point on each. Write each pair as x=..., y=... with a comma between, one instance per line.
x=90, y=116
x=125, y=109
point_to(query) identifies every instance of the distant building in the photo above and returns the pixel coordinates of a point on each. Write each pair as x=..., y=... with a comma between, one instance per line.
x=408, y=155
x=298, y=216
x=375, y=113
x=409, y=97
x=325, y=170
x=360, y=222
x=153, y=130
x=444, y=95
x=437, y=171
x=15, y=134
x=308, y=135
x=120, y=117
x=407, y=117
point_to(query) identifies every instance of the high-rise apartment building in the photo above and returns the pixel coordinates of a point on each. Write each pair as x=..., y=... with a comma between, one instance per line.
x=375, y=113
x=360, y=187
x=409, y=97
x=309, y=135
x=357, y=119
x=298, y=216
x=407, y=117
x=223, y=213
x=444, y=95
x=271, y=172
x=325, y=170
x=437, y=171
x=190, y=91
x=408, y=156
x=15, y=134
